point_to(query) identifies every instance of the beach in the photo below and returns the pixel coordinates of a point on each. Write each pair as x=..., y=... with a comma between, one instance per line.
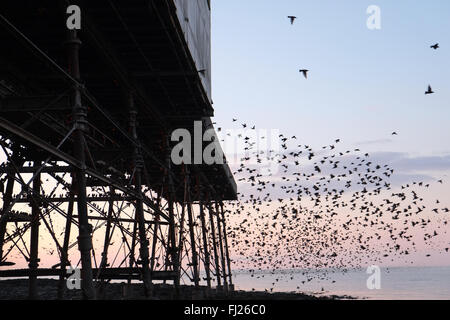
x=47, y=290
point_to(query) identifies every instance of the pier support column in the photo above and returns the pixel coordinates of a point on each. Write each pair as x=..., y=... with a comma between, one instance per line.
x=173, y=250
x=65, y=249
x=192, y=231
x=222, y=256
x=16, y=162
x=213, y=235
x=80, y=122
x=7, y=198
x=34, y=238
x=138, y=167
x=207, y=261
x=181, y=240
x=106, y=242
x=227, y=252
x=155, y=235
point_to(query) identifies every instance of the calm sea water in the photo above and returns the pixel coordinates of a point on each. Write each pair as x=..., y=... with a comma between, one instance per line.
x=413, y=283
x=430, y=283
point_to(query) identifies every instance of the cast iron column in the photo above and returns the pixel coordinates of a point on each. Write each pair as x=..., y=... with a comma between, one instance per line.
x=192, y=231
x=80, y=122
x=7, y=198
x=207, y=261
x=213, y=234
x=227, y=252
x=65, y=249
x=34, y=239
x=172, y=245
x=138, y=166
x=222, y=256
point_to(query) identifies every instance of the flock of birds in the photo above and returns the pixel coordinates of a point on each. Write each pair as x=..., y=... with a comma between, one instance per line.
x=327, y=210
x=304, y=72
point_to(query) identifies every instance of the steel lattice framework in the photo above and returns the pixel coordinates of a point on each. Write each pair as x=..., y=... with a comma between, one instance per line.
x=85, y=135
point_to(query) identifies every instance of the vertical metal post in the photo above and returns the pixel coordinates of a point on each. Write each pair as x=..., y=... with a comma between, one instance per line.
x=155, y=237
x=222, y=256
x=7, y=198
x=138, y=165
x=34, y=239
x=182, y=218
x=143, y=249
x=172, y=245
x=132, y=259
x=192, y=232
x=80, y=122
x=227, y=252
x=65, y=250
x=207, y=261
x=104, y=262
x=213, y=235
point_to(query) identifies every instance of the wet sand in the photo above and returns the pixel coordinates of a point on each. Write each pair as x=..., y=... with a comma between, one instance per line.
x=47, y=290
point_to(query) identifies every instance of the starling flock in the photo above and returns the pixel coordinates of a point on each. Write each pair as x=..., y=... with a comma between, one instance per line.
x=327, y=210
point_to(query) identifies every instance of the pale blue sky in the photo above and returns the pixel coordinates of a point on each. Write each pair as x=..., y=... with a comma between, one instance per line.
x=363, y=84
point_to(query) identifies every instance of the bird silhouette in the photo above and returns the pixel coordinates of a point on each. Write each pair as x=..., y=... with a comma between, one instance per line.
x=429, y=91
x=292, y=19
x=304, y=72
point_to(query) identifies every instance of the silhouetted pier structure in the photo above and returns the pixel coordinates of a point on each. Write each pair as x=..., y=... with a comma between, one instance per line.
x=85, y=123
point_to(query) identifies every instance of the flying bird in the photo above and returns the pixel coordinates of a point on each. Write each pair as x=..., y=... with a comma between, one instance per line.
x=429, y=91
x=292, y=18
x=305, y=73
x=435, y=46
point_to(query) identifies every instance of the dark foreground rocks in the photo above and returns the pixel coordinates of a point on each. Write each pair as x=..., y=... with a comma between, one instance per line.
x=48, y=290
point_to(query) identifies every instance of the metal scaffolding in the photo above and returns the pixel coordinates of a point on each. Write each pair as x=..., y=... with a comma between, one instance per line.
x=101, y=179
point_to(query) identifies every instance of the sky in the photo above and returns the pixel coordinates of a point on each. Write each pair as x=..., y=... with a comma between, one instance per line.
x=363, y=84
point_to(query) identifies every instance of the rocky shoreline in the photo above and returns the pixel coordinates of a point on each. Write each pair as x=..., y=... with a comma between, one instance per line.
x=47, y=290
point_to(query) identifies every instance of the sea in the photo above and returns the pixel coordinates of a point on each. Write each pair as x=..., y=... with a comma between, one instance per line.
x=398, y=283
x=393, y=283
